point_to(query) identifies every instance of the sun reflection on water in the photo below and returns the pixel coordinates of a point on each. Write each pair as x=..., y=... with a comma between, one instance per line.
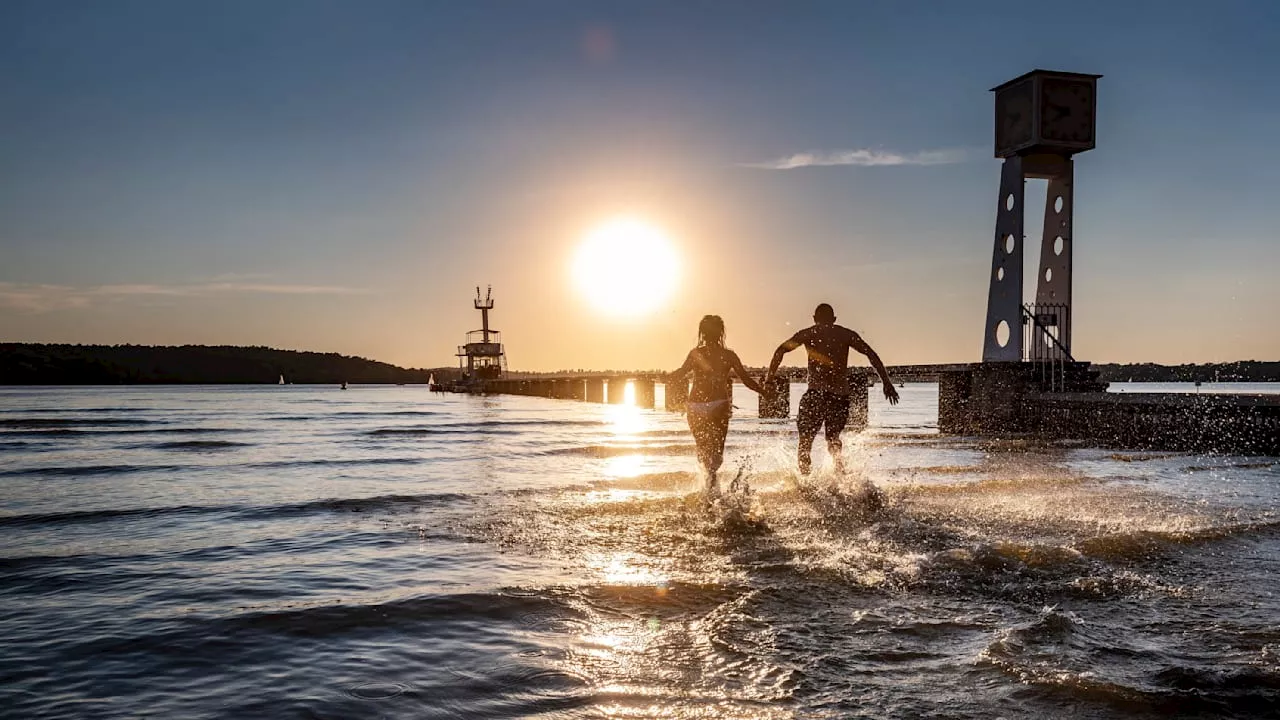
x=625, y=466
x=626, y=568
x=626, y=418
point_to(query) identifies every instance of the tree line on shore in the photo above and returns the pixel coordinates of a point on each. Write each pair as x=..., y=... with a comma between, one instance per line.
x=40, y=364
x=32, y=364
x=1239, y=371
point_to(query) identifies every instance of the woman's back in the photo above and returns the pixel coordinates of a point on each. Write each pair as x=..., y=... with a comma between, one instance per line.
x=710, y=366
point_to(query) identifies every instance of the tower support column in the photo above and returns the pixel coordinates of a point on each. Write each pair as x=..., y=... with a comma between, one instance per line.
x=1002, y=340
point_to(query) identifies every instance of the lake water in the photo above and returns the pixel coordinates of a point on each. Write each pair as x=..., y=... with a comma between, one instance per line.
x=385, y=552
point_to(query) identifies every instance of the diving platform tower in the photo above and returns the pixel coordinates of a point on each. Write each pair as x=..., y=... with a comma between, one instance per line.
x=1043, y=119
x=482, y=357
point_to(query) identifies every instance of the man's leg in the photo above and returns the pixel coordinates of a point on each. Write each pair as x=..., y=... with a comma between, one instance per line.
x=808, y=420
x=835, y=417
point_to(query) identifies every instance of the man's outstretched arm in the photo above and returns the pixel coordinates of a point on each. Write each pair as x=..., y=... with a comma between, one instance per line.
x=890, y=392
x=782, y=350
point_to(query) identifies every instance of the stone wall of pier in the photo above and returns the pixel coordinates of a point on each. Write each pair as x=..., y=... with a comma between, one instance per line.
x=1006, y=398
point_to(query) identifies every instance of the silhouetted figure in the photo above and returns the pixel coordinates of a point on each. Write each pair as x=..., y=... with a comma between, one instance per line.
x=826, y=402
x=710, y=399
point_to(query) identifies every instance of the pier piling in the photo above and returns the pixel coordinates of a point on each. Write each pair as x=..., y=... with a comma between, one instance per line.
x=644, y=393
x=776, y=402
x=676, y=396
x=858, y=391
x=617, y=390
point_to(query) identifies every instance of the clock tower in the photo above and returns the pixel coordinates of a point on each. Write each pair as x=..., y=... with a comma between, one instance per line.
x=1042, y=119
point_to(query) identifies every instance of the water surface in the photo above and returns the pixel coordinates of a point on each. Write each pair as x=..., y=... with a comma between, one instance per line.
x=303, y=552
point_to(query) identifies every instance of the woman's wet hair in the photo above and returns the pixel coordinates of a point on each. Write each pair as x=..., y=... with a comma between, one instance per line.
x=711, y=330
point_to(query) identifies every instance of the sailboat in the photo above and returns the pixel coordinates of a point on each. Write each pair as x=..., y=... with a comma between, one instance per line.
x=281, y=380
x=431, y=382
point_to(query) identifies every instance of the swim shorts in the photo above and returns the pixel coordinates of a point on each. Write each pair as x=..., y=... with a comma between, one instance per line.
x=820, y=408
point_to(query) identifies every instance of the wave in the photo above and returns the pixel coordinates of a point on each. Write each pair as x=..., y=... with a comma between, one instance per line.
x=368, y=504
x=385, y=413
x=67, y=431
x=80, y=470
x=499, y=427
x=188, y=637
x=55, y=411
x=19, y=445
x=1257, y=465
x=92, y=516
x=1137, y=544
x=354, y=413
x=606, y=451
x=200, y=445
x=1142, y=457
x=336, y=463
x=666, y=481
x=37, y=423
x=1059, y=652
x=256, y=512
x=433, y=430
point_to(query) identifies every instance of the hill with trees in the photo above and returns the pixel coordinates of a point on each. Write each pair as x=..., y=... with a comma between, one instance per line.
x=1240, y=371
x=36, y=364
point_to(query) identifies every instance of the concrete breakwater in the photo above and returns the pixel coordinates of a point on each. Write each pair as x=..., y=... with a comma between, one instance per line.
x=992, y=400
x=1006, y=398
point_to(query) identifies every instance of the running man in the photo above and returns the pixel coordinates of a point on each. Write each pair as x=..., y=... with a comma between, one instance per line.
x=826, y=402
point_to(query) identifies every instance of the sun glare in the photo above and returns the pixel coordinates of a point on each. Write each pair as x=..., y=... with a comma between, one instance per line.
x=626, y=267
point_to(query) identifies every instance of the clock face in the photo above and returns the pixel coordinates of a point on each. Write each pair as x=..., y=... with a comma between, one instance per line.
x=1066, y=111
x=1013, y=117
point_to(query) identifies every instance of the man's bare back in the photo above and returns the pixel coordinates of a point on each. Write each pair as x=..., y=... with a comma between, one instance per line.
x=828, y=349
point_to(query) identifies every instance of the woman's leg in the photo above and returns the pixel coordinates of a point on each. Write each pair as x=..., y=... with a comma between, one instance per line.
x=709, y=431
x=719, y=429
x=701, y=436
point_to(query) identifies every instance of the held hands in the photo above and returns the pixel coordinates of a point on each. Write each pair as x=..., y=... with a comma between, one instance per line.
x=763, y=383
x=890, y=393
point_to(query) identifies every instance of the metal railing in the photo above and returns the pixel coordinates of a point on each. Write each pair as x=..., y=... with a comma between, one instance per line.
x=1042, y=324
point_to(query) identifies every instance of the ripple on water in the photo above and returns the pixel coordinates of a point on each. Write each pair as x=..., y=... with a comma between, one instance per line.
x=377, y=691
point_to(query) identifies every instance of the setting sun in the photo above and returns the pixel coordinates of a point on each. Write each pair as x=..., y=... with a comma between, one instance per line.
x=626, y=267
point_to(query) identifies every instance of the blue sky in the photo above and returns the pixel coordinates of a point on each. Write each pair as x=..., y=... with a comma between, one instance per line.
x=338, y=176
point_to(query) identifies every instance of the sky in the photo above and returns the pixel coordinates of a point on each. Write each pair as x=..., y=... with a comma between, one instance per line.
x=340, y=176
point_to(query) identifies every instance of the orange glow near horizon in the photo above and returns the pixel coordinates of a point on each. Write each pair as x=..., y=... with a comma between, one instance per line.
x=626, y=267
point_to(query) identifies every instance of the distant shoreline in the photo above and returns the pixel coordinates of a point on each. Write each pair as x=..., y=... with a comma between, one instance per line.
x=62, y=364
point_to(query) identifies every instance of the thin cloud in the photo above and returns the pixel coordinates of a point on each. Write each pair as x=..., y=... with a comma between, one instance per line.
x=40, y=298
x=864, y=157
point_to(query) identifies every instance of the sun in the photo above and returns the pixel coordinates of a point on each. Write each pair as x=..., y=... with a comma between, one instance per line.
x=626, y=267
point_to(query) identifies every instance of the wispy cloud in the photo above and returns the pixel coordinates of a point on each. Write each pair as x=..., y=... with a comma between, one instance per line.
x=39, y=298
x=865, y=157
